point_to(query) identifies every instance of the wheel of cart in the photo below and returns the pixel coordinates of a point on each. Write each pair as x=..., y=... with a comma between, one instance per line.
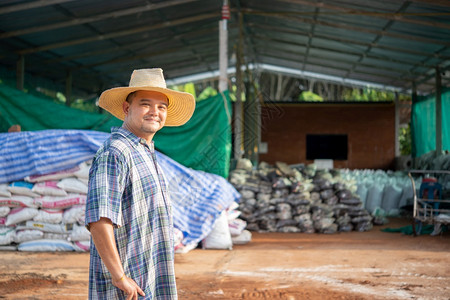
x=429, y=205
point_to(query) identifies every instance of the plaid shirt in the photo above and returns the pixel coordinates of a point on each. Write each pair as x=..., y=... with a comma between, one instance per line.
x=127, y=187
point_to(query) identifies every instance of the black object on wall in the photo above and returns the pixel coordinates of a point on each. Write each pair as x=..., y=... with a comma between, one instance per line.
x=326, y=146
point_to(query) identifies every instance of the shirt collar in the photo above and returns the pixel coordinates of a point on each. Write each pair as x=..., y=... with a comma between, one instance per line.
x=134, y=140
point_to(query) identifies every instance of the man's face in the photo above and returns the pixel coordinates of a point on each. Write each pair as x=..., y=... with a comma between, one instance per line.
x=146, y=114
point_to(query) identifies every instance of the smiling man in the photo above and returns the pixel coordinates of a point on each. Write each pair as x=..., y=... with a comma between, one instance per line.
x=128, y=209
x=145, y=113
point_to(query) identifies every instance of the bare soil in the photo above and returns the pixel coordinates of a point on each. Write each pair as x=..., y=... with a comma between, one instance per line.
x=355, y=265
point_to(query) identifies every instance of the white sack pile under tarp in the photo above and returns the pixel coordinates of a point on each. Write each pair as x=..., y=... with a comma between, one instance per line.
x=46, y=212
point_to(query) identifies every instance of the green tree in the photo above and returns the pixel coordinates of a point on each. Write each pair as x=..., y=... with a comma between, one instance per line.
x=405, y=140
x=206, y=93
x=309, y=96
x=368, y=94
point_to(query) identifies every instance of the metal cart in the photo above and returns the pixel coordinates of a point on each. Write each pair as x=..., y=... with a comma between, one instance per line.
x=430, y=205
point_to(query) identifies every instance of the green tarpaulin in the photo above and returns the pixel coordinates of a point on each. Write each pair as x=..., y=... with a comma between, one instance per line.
x=204, y=143
x=426, y=229
x=423, y=123
x=34, y=113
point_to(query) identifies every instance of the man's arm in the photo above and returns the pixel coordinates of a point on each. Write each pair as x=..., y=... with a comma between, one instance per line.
x=102, y=233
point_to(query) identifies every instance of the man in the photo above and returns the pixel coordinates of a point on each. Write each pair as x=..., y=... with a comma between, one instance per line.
x=128, y=211
x=15, y=128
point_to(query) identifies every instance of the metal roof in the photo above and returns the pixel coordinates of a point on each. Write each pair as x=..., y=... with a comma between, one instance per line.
x=390, y=43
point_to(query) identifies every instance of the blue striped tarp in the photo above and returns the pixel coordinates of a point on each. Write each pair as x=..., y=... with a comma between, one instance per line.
x=41, y=152
x=198, y=197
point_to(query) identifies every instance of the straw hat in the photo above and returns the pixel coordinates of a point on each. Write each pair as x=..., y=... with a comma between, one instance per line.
x=181, y=105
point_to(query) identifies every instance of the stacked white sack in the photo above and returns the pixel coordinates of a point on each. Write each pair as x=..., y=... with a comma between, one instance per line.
x=239, y=235
x=45, y=212
x=228, y=230
x=385, y=190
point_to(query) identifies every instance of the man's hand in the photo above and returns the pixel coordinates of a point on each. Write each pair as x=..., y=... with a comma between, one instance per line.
x=102, y=233
x=129, y=287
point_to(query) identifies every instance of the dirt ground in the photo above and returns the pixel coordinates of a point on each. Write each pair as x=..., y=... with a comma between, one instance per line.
x=356, y=265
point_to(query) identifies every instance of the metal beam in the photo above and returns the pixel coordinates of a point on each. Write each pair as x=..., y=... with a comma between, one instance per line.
x=289, y=16
x=348, y=41
x=444, y=3
x=381, y=81
x=30, y=5
x=377, y=57
x=376, y=39
x=107, y=36
x=80, y=21
x=310, y=37
x=430, y=57
x=251, y=53
x=427, y=77
x=138, y=56
x=130, y=46
x=192, y=49
x=328, y=61
x=322, y=65
x=420, y=64
x=399, y=17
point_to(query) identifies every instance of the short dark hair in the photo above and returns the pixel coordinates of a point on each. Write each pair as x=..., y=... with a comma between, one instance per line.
x=130, y=97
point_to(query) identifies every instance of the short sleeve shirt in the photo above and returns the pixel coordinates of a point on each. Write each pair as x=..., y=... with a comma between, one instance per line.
x=127, y=186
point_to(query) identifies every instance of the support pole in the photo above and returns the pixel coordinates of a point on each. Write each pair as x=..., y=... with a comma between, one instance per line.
x=397, y=126
x=20, y=72
x=251, y=121
x=248, y=119
x=412, y=124
x=438, y=112
x=223, y=47
x=279, y=87
x=69, y=88
x=238, y=116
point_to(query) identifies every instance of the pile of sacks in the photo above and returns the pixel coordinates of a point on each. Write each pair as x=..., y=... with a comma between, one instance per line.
x=391, y=193
x=300, y=198
x=383, y=192
x=229, y=229
x=45, y=212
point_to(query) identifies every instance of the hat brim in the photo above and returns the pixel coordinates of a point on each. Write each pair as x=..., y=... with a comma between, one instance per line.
x=180, y=110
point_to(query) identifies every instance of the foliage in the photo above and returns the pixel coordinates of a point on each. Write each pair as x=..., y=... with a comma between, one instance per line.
x=405, y=140
x=206, y=93
x=188, y=88
x=233, y=93
x=309, y=96
x=86, y=105
x=370, y=94
x=60, y=97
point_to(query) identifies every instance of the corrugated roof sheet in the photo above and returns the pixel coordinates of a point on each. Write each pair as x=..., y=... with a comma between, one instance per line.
x=388, y=43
